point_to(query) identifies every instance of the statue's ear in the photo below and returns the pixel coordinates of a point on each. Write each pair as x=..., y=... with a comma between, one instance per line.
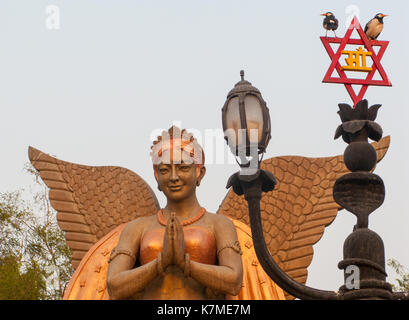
x=155, y=172
x=200, y=172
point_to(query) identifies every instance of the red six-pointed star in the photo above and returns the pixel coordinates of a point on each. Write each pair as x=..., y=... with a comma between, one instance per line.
x=348, y=82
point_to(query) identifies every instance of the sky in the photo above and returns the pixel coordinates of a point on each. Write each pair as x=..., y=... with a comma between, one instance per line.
x=94, y=87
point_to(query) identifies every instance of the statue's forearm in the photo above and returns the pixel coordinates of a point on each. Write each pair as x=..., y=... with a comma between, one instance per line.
x=220, y=278
x=126, y=284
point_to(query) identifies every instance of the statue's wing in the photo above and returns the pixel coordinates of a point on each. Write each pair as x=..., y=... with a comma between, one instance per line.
x=91, y=201
x=297, y=211
x=256, y=284
x=89, y=280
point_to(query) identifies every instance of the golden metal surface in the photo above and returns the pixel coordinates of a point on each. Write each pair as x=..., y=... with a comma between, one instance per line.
x=89, y=284
x=200, y=244
x=256, y=285
x=89, y=279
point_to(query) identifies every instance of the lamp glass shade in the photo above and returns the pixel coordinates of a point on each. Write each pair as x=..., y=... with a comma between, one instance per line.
x=254, y=118
x=233, y=124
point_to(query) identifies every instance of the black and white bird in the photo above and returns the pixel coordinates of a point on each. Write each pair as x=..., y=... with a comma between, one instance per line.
x=330, y=23
x=375, y=26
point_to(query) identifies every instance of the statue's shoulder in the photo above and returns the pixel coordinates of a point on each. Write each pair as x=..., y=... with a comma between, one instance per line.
x=139, y=224
x=219, y=219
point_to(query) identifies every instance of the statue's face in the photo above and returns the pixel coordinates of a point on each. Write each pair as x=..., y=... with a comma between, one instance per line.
x=177, y=175
x=177, y=181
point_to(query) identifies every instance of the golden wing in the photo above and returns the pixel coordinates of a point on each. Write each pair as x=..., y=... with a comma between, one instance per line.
x=91, y=201
x=256, y=285
x=296, y=213
x=89, y=280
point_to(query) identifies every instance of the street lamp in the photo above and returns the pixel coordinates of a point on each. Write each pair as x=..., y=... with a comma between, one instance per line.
x=360, y=192
x=246, y=122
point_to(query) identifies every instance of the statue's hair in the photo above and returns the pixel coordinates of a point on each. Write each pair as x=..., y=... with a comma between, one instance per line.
x=174, y=133
x=175, y=137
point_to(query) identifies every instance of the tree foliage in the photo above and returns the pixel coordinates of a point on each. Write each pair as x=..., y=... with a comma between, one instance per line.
x=34, y=257
x=403, y=273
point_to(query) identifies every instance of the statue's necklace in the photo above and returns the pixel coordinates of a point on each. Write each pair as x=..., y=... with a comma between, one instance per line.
x=186, y=222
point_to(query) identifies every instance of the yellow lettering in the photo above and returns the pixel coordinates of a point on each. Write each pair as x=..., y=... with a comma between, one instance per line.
x=356, y=60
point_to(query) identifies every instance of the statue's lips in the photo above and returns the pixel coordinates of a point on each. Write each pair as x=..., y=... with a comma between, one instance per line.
x=175, y=188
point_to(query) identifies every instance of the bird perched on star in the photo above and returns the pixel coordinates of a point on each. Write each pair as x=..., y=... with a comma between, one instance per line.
x=375, y=26
x=330, y=23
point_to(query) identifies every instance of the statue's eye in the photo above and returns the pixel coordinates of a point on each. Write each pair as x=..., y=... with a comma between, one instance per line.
x=184, y=168
x=163, y=170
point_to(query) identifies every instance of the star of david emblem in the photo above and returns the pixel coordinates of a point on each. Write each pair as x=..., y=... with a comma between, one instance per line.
x=356, y=61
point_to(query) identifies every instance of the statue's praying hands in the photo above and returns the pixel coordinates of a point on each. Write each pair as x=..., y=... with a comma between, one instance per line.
x=173, y=251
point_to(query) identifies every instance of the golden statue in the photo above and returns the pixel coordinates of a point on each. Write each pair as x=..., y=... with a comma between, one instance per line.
x=125, y=247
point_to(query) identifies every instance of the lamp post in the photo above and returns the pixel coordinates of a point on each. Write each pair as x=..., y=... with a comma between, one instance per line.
x=360, y=192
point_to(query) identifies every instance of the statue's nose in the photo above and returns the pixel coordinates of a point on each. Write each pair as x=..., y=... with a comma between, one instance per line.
x=174, y=175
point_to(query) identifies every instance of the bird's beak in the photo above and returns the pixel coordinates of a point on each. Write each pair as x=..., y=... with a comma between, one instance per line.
x=385, y=15
x=323, y=14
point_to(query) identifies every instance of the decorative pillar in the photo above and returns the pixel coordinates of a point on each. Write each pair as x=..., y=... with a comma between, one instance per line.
x=361, y=192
